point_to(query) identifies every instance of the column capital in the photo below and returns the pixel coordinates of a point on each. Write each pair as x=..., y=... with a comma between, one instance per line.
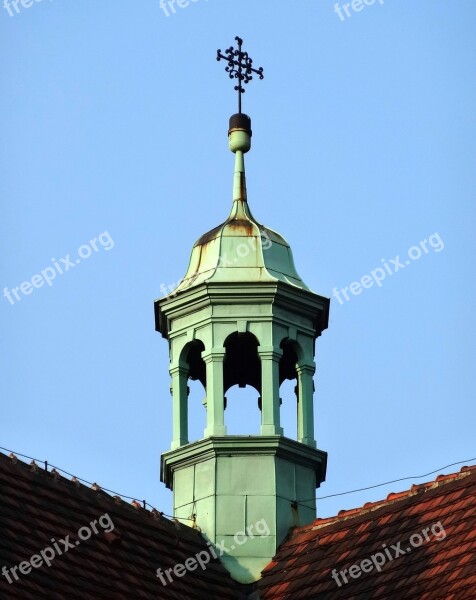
x=309, y=368
x=213, y=355
x=270, y=353
x=179, y=369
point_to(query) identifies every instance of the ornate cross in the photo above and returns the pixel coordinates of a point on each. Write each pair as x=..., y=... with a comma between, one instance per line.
x=240, y=66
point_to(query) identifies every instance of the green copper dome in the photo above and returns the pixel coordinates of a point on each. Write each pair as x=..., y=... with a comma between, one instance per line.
x=241, y=249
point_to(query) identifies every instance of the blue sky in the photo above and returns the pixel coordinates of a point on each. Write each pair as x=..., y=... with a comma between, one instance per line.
x=114, y=146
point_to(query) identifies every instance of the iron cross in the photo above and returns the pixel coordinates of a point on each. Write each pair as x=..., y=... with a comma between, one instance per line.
x=240, y=66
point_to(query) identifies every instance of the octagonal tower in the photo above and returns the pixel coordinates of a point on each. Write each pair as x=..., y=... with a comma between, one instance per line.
x=242, y=315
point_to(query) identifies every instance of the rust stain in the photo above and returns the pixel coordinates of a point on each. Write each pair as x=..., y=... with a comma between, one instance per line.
x=210, y=235
x=237, y=225
x=241, y=225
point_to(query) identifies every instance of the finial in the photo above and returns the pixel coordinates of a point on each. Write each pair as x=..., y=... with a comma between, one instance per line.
x=240, y=66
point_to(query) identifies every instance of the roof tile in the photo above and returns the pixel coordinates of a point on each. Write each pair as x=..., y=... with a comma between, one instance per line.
x=428, y=568
x=38, y=507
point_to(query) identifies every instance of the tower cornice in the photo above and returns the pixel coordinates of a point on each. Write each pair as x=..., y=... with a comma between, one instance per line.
x=208, y=295
x=241, y=445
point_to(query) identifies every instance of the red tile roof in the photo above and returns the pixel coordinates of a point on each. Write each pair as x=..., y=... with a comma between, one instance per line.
x=423, y=544
x=40, y=508
x=424, y=538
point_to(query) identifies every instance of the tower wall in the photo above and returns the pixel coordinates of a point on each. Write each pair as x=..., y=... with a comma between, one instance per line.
x=245, y=493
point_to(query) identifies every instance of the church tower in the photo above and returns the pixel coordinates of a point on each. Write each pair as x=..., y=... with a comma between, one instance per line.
x=243, y=316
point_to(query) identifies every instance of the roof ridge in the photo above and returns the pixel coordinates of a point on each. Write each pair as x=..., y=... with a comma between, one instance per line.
x=393, y=497
x=55, y=474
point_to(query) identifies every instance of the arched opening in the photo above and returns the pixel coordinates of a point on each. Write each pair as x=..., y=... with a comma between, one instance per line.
x=288, y=388
x=294, y=367
x=197, y=370
x=197, y=413
x=242, y=384
x=196, y=382
x=242, y=365
x=242, y=413
x=287, y=393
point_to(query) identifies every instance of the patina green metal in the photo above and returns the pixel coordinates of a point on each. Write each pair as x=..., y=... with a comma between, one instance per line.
x=242, y=291
x=241, y=249
x=239, y=481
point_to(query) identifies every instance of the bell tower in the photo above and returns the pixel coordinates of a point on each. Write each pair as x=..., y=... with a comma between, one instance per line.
x=242, y=316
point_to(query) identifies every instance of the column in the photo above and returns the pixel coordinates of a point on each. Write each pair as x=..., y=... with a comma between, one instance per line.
x=305, y=413
x=179, y=391
x=215, y=392
x=270, y=414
